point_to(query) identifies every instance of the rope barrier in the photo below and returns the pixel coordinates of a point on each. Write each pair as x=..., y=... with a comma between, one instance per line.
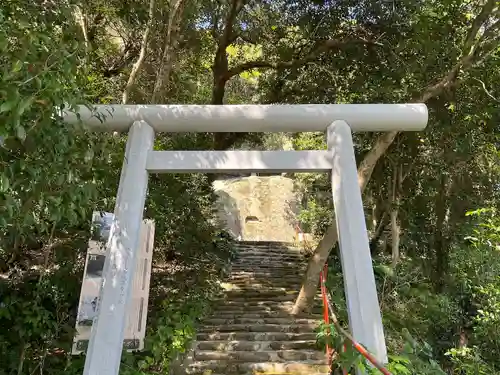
x=329, y=312
x=326, y=315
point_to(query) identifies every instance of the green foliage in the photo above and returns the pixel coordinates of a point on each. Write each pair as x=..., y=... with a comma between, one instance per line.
x=445, y=290
x=47, y=168
x=454, y=331
x=40, y=313
x=414, y=358
x=52, y=176
x=476, y=267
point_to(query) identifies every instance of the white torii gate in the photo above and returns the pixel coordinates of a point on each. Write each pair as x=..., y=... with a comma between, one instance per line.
x=143, y=121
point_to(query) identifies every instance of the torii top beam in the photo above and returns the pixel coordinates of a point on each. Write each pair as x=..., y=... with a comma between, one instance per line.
x=254, y=118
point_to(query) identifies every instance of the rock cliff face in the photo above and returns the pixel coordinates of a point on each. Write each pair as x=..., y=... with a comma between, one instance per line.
x=258, y=208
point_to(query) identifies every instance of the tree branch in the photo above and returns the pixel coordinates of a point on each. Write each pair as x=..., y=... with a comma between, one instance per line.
x=490, y=32
x=478, y=22
x=82, y=21
x=246, y=38
x=319, y=49
x=228, y=34
x=220, y=64
x=486, y=90
x=142, y=54
x=163, y=76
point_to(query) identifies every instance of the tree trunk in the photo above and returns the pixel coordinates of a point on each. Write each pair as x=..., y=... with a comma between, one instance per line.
x=220, y=67
x=317, y=261
x=395, y=237
x=441, y=238
x=374, y=241
x=395, y=227
x=142, y=55
x=219, y=85
x=168, y=55
x=220, y=70
x=81, y=19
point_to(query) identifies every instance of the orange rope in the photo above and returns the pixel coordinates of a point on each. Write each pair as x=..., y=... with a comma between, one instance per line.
x=327, y=310
x=326, y=315
x=356, y=344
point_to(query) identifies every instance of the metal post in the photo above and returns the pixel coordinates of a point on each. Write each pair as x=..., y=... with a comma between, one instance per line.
x=361, y=292
x=106, y=341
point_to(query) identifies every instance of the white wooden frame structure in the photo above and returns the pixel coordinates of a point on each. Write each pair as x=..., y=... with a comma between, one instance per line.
x=142, y=121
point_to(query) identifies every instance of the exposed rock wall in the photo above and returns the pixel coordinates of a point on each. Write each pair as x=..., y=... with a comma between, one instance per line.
x=258, y=208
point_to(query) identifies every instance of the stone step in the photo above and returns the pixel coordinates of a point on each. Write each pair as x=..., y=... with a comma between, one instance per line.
x=272, y=258
x=236, y=285
x=268, y=264
x=268, y=272
x=254, y=244
x=250, y=281
x=272, y=266
x=294, y=282
x=242, y=372
x=262, y=320
x=257, y=309
x=269, y=275
x=256, y=345
x=259, y=293
x=292, y=328
x=228, y=367
x=273, y=305
x=243, y=298
x=268, y=279
x=268, y=259
x=243, y=314
x=259, y=356
x=267, y=267
x=316, y=314
x=247, y=284
x=269, y=252
x=270, y=255
x=263, y=251
x=255, y=336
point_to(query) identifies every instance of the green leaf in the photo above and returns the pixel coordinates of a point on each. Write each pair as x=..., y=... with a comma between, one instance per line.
x=7, y=106
x=18, y=65
x=11, y=101
x=24, y=105
x=384, y=270
x=21, y=133
x=4, y=183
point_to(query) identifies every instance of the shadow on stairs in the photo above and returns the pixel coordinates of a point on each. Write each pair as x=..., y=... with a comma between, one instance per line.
x=251, y=331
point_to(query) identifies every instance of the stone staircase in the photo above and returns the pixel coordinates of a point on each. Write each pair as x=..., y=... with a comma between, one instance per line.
x=252, y=331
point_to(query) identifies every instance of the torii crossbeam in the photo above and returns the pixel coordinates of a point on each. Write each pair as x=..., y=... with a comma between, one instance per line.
x=143, y=121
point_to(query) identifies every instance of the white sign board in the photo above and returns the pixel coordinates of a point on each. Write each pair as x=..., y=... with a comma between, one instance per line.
x=135, y=328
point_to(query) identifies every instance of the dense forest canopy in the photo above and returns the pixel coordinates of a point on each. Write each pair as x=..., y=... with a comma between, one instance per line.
x=437, y=264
